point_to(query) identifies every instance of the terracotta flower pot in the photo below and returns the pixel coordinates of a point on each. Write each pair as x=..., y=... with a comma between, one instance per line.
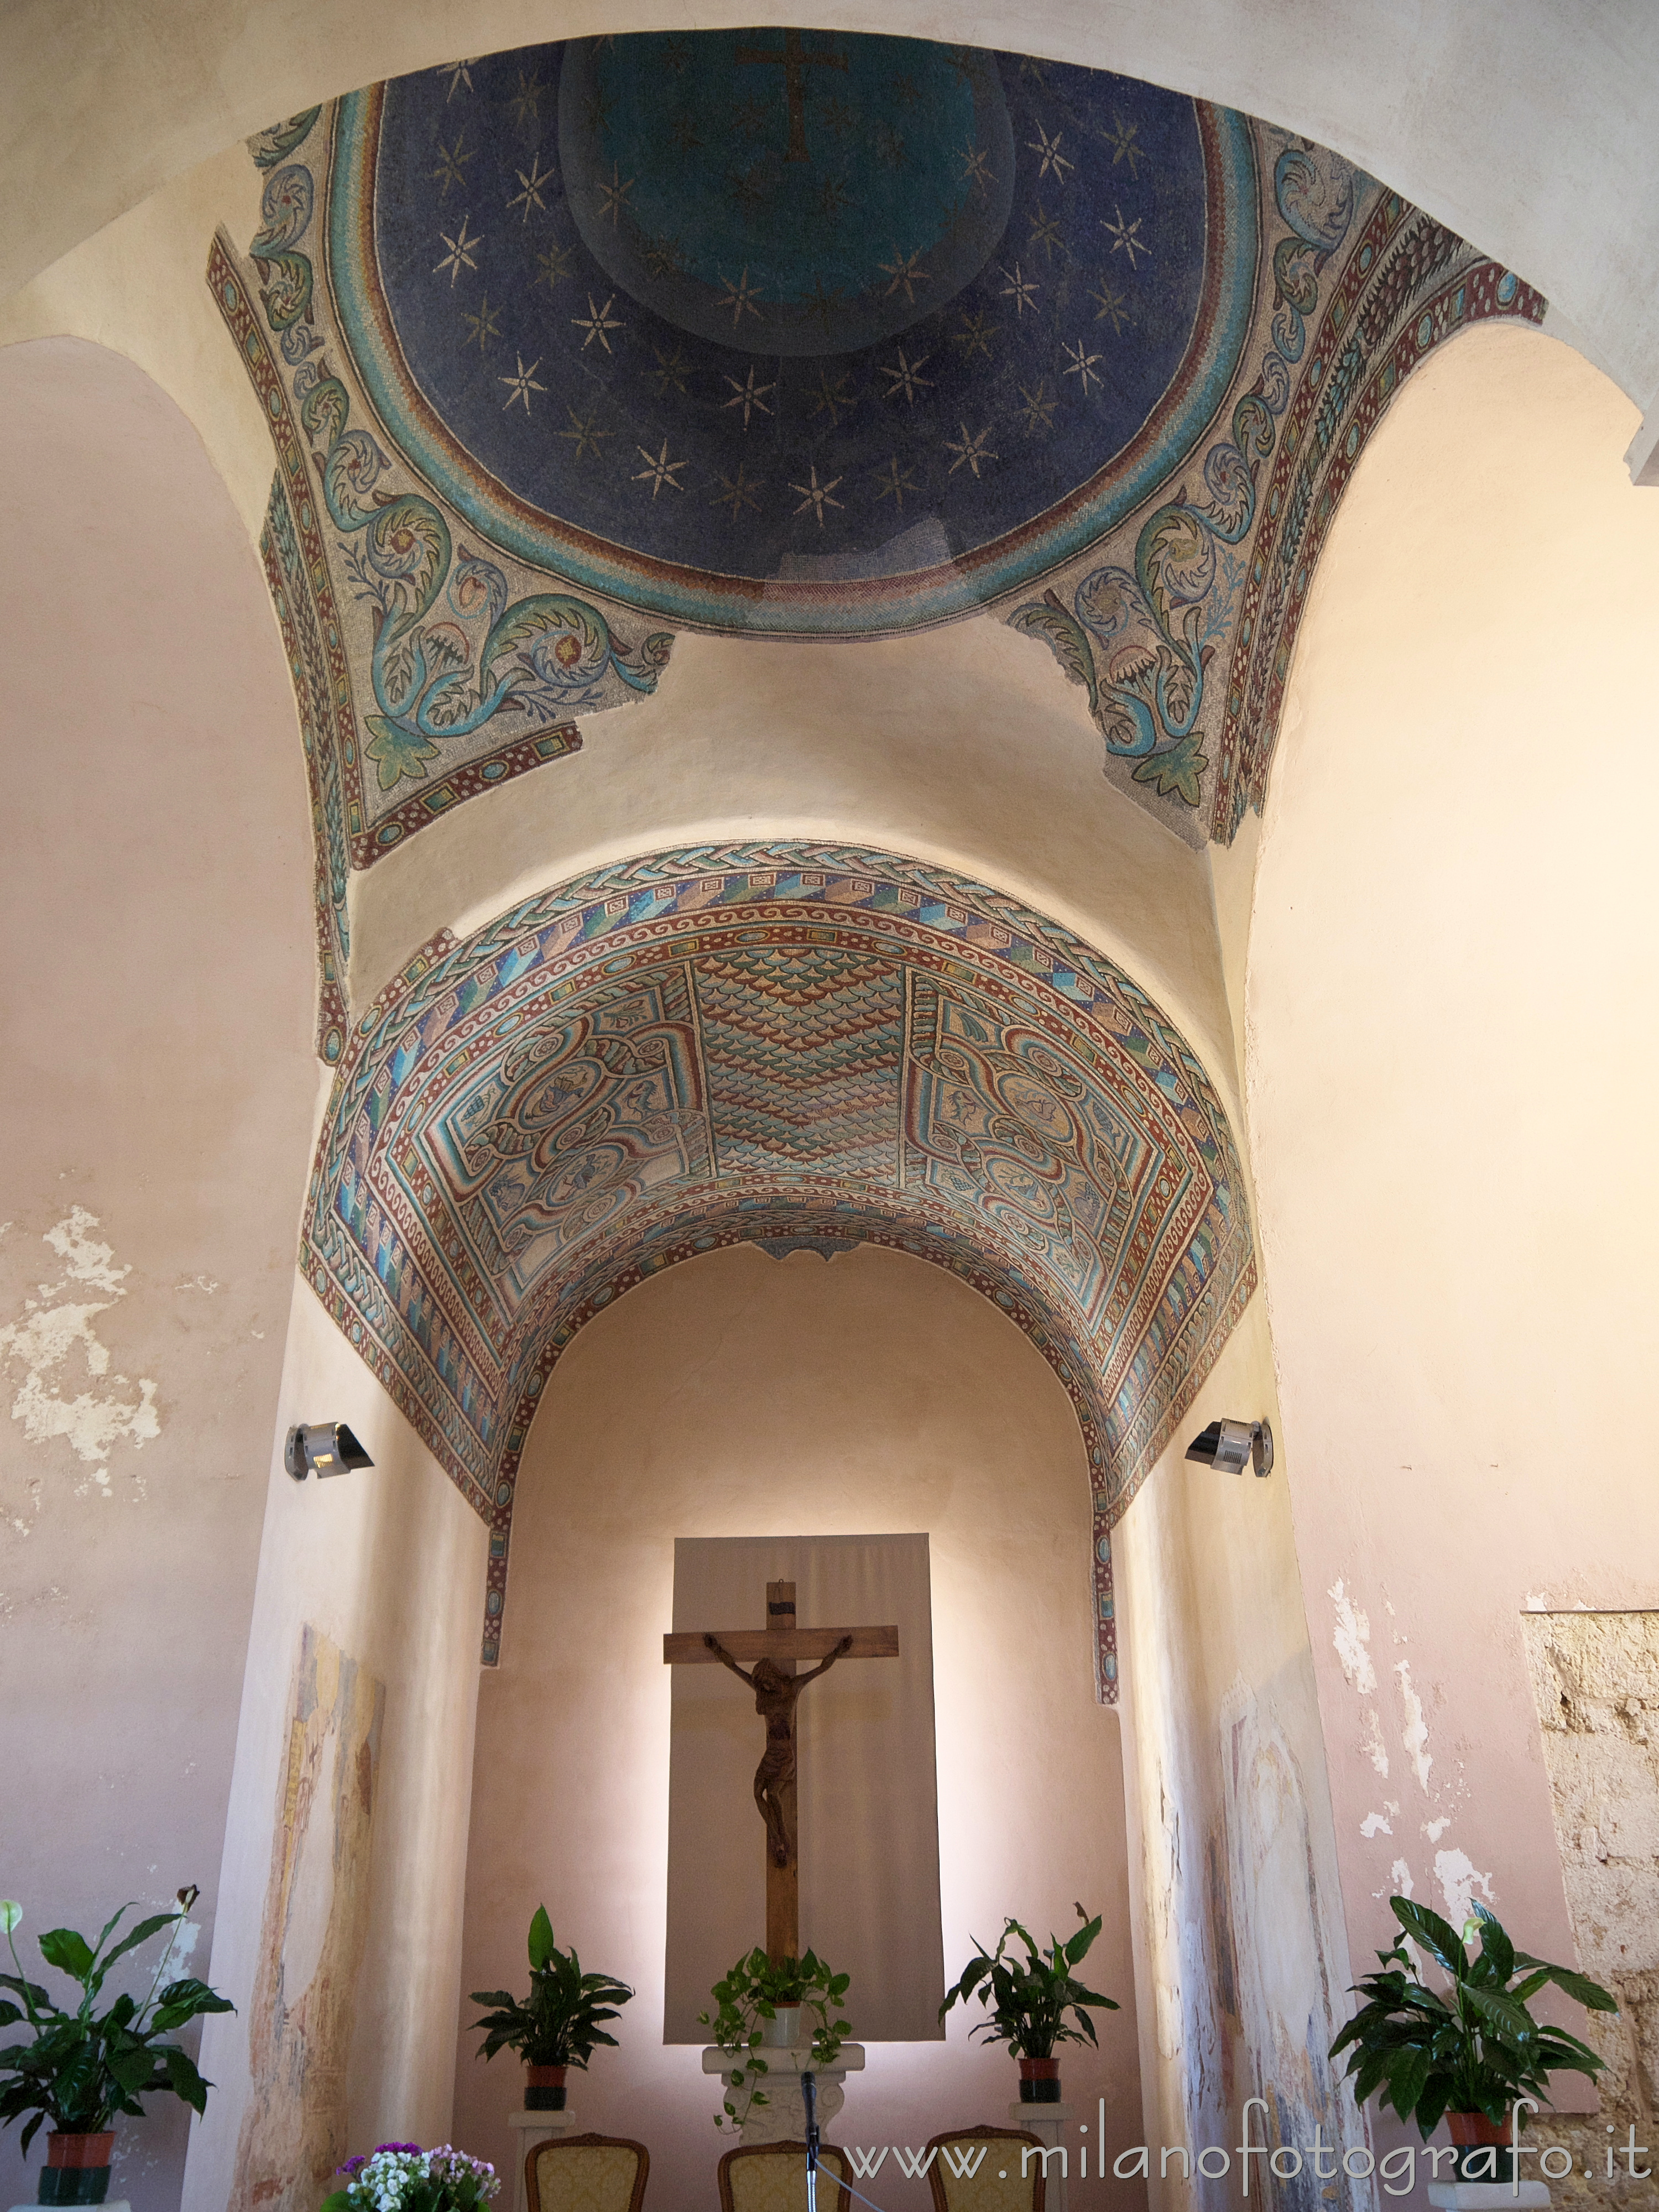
x=544, y=2089
x=1039, y=2080
x=1483, y=2147
x=76, y=2171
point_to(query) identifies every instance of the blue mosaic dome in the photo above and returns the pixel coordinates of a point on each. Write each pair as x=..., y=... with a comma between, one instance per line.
x=717, y=322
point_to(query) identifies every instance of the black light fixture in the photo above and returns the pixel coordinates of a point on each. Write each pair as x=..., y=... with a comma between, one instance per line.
x=1233, y=1445
x=322, y=1448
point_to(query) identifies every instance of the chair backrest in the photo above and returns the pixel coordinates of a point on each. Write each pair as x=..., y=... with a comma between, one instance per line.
x=586, y=2173
x=964, y=2182
x=772, y=2178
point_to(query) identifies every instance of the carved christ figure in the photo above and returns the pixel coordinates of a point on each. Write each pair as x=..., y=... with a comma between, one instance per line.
x=775, y=1694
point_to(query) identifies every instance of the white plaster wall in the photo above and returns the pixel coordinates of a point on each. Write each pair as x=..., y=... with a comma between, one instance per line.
x=1453, y=1042
x=737, y=1394
x=1526, y=126
x=1241, y=1958
x=389, y=1564
x=156, y=1006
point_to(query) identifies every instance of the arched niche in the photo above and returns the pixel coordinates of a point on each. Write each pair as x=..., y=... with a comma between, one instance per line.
x=739, y=1395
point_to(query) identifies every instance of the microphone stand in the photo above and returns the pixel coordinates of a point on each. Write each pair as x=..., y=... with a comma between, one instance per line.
x=809, y=2090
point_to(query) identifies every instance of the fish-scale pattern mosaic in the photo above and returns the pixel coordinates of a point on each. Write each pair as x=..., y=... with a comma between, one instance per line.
x=803, y=1047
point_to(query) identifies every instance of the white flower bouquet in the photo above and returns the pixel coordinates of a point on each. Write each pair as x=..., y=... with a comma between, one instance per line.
x=403, y=2178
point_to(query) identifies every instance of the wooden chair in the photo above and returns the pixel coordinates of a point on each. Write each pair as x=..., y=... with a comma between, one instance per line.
x=996, y=2184
x=586, y=2173
x=772, y=2178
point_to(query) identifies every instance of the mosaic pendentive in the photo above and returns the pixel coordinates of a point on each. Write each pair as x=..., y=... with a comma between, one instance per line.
x=772, y=1043
x=1212, y=584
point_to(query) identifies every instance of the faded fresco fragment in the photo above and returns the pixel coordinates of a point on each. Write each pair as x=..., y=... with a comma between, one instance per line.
x=311, y=1936
x=1293, y=1976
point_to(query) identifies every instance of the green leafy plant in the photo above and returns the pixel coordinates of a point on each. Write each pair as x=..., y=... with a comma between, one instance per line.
x=560, y=2022
x=1029, y=1998
x=84, y=2067
x=751, y=1992
x=1477, y=2048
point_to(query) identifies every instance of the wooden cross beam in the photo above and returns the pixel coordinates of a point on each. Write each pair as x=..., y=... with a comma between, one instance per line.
x=775, y=1650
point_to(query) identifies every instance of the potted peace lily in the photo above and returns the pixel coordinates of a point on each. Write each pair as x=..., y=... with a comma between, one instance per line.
x=758, y=2005
x=1029, y=1999
x=559, y=2024
x=1470, y=2053
x=81, y=2068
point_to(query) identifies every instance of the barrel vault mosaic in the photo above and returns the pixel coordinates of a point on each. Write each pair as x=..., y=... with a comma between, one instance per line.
x=776, y=1044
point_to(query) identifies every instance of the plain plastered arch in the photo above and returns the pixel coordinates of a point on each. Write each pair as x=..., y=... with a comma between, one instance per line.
x=161, y=1095
x=1452, y=1051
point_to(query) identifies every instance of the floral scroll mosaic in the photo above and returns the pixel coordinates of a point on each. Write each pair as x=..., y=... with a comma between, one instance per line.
x=772, y=1044
x=802, y=334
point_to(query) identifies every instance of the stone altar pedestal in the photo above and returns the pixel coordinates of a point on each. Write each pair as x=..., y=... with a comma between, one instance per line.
x=533, y=2128
x=1046, y=2122
x=782, y=2117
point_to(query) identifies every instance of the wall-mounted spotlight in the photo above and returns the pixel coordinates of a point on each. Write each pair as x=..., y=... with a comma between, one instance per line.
x=322, y=1448
x=1233, y=1445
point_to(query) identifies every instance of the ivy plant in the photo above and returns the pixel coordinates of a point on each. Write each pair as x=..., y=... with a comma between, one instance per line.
x=752, y=1991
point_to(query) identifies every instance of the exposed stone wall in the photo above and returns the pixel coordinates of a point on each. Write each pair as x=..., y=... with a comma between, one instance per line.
x=1596, y=1678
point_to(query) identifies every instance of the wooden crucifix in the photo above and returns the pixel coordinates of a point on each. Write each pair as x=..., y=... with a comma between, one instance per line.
x=775, y=1651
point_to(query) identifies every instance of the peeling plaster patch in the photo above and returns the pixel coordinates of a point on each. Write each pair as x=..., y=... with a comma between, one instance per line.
x=1376, y=1750
x=97, y=1419
x=1375, y=1824
x=1414, y=1736
x=1435, y=1829
x=1403, y=1884
x=1459, y=1878
x=86, y=1260
x=1351, y=1635
x=1537, y=1601
x=199, y=1283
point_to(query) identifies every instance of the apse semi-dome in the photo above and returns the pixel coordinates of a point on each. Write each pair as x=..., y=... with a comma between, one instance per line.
x=716, y=323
